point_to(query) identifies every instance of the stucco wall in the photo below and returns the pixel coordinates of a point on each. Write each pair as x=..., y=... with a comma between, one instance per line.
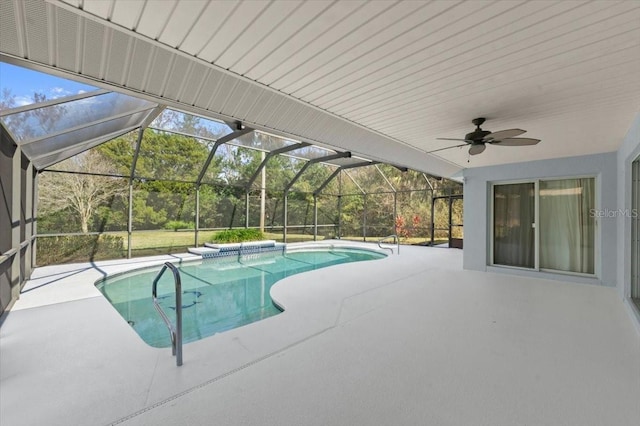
x=628, y=152
x=477, y=202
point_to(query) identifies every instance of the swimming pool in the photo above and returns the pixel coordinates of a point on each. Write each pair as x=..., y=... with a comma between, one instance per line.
x=217, y=294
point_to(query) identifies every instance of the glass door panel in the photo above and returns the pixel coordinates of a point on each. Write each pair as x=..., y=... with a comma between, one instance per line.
x=567, y=225
x=514, y=225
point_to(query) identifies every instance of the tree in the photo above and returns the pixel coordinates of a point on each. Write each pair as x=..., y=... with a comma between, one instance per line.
x=80, y=192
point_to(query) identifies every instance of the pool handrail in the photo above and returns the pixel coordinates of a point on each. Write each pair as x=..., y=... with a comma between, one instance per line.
x=175, y=332
x=395, y=239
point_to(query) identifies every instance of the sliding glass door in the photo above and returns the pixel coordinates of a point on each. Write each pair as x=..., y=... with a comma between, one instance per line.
x=513, y=225
x=547, y=224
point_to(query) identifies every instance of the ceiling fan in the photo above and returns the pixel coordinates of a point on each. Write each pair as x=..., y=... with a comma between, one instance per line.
x=479, y=138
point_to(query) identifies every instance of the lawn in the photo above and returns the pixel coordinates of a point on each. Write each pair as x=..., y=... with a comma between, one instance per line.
x=114, y=245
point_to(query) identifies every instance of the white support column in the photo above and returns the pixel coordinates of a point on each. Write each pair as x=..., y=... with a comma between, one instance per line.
x=29, y=218
x=197, y=218
x=34, y=221
x=285, y=213
x=263, y=192
x=315, y=217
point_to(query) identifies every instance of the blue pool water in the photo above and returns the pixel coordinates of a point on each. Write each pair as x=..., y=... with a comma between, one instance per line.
x=218, y=294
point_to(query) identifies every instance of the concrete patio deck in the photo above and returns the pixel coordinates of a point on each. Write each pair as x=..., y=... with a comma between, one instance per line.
x=410, y=339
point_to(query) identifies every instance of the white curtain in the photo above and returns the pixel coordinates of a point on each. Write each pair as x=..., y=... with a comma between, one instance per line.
x=567, y=226
x=514, y=214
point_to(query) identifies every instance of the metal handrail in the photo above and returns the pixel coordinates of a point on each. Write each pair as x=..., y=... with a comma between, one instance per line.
x=395, y=239
x=175, y=332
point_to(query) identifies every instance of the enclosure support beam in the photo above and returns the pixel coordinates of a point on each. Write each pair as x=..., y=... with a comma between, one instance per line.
x=34, y=217
x=131, y=176
x=335, y=173
x=263, y=194
x=246, y=209
x=273, y=153
x=136, y=154
x=364, y=218
x=314, y=161
x=326, y=182
x=385, y=178
x=339, y=236
x=346, y=154
x=197, y=218
x=152, y=116
x=428, y=182
x=284, y=219
x=27, y=243
x=315, y=217
x=433, y=220
x=226, y=138
x=450, y=216
x=395, y=212
x=130, y=220
x=355, y=182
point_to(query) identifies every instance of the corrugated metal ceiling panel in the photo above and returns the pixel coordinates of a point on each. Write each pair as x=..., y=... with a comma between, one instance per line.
x=209, y=23
x=10, y=40
x=193, y=83
x=232, y=28
x=127, y=12
x=37, y=31
x=93, y=45
x=287, y=28
x=140, y=59
x=411, y=70
x=357, y=30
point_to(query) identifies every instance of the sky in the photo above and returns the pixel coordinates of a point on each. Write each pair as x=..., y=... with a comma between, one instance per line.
x=23, y=83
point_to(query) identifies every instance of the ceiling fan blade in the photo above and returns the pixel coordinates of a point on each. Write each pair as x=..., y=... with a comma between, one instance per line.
x=516, y=142
x=505, y=134
x=451, y=139
x=477, y=149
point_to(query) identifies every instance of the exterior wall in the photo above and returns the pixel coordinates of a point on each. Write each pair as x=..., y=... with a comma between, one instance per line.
x=477, y=203
x=628, y=152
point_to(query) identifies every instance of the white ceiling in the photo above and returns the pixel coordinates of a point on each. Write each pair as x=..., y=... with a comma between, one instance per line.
x=381, y=78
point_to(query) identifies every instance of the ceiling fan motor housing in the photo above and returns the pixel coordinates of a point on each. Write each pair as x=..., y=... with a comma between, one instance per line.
x=478, y=135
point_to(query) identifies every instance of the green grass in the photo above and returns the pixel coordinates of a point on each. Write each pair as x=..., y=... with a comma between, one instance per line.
x=142, y=240
x=161, y=238
x=148, y=243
